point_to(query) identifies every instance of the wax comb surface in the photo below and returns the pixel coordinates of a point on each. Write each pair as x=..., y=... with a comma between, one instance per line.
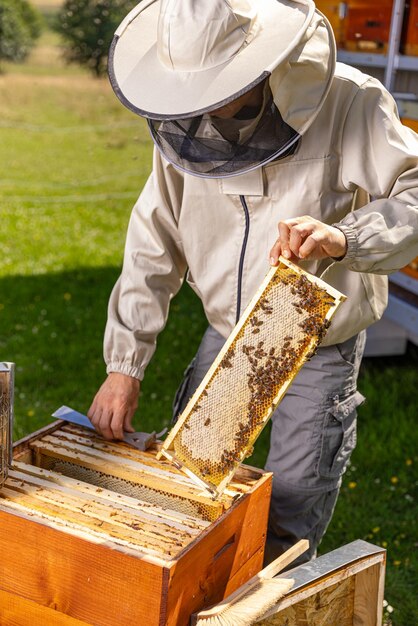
x=280, y=329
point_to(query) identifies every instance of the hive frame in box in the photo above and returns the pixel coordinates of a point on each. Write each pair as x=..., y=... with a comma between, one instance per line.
x=225, y=356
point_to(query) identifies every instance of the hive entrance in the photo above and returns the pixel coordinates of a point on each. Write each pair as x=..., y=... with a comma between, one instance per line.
x=278, y=332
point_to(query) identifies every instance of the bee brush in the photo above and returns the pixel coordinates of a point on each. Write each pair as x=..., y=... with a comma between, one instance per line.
x=252, y=600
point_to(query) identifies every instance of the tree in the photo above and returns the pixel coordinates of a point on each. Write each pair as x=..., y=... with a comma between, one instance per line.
x=20, y=26
x=87, y=27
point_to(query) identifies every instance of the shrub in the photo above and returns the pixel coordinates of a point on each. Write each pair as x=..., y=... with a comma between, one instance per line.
x=87, y=27
x=20, y=26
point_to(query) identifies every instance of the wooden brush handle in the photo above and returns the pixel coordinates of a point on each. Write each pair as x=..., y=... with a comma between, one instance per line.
x=285, y=559
x=268, y=572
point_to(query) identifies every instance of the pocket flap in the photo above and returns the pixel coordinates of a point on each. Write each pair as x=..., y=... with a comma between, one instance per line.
x=343, y=408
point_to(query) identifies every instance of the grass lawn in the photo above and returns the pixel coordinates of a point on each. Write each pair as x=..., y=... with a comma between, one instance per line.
x=74, y=161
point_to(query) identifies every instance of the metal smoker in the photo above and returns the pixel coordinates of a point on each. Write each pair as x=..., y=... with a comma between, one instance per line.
x=6, y=418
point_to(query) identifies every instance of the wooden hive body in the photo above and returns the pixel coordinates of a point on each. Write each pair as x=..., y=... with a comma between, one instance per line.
x=99, y=533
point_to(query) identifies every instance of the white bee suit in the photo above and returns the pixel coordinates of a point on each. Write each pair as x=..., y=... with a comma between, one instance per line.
x=328, y=135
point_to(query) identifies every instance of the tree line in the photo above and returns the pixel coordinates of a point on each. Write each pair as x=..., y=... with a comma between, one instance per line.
x=86, y=27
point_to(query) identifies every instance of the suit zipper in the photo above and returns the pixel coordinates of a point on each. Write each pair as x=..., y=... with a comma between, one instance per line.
x=242, y=255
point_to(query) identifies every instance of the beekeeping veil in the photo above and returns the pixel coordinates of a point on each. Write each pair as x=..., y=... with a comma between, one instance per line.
x=176, y=61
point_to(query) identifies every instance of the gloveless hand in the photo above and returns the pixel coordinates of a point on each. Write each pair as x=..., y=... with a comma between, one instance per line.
x=114, y=406
x=308, y=239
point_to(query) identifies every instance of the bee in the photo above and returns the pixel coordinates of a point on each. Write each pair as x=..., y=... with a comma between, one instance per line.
x=255, y=331
x=207, y=421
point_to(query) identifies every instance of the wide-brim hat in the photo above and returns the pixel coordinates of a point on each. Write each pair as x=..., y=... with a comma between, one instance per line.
x=178, y=58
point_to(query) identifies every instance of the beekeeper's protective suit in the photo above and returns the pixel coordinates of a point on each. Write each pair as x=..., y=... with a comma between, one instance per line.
x=323, y=138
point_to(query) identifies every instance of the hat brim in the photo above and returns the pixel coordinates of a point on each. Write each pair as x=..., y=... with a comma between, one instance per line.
x=152, y=90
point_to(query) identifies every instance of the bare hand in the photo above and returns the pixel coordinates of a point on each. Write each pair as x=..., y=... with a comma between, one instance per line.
x=114, y=406
x=307, y=238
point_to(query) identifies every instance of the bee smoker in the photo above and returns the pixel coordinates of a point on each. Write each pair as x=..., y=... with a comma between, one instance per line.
x=6, y=418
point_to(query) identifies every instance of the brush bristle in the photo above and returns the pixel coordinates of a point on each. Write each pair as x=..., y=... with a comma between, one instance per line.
x=252, y=606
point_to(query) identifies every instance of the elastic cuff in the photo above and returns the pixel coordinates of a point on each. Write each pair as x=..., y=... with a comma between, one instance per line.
x=352, y=241
x=125, y=368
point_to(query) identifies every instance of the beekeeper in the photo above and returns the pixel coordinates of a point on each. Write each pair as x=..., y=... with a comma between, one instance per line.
x=264, y=145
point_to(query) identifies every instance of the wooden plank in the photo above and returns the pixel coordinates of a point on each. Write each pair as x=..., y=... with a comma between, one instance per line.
x=204, y=576
x=26, y=456
x=23, y=444
x=148, y=513
x=107, y=497
x=83, y=517
x=126, y=469
x=244, y=478
x=247, y=571
x=331, y=606
x=147, y=522
x=368, y=597
x=17, y=611
x=86, y=580
x=298, y=595
x=71, y=433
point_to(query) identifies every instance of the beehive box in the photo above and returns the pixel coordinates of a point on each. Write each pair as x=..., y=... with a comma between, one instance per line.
x=93, y=532
x=410, y=39
x=335, y=15
x=367, y=25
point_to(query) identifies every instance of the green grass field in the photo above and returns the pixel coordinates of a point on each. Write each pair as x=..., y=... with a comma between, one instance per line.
x=74, y=161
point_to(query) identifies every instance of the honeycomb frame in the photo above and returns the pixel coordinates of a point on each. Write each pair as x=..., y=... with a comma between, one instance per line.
x=263, y=358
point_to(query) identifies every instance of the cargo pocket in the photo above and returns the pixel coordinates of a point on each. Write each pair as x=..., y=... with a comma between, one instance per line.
x=339, y=435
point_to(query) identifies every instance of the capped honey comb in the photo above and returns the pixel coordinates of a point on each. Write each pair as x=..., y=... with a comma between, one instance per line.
x=280, y=329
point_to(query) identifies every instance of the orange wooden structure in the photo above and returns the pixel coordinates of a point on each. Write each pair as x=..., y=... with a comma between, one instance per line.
x=359, y=24
x=410, y=40
x=98, y=533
